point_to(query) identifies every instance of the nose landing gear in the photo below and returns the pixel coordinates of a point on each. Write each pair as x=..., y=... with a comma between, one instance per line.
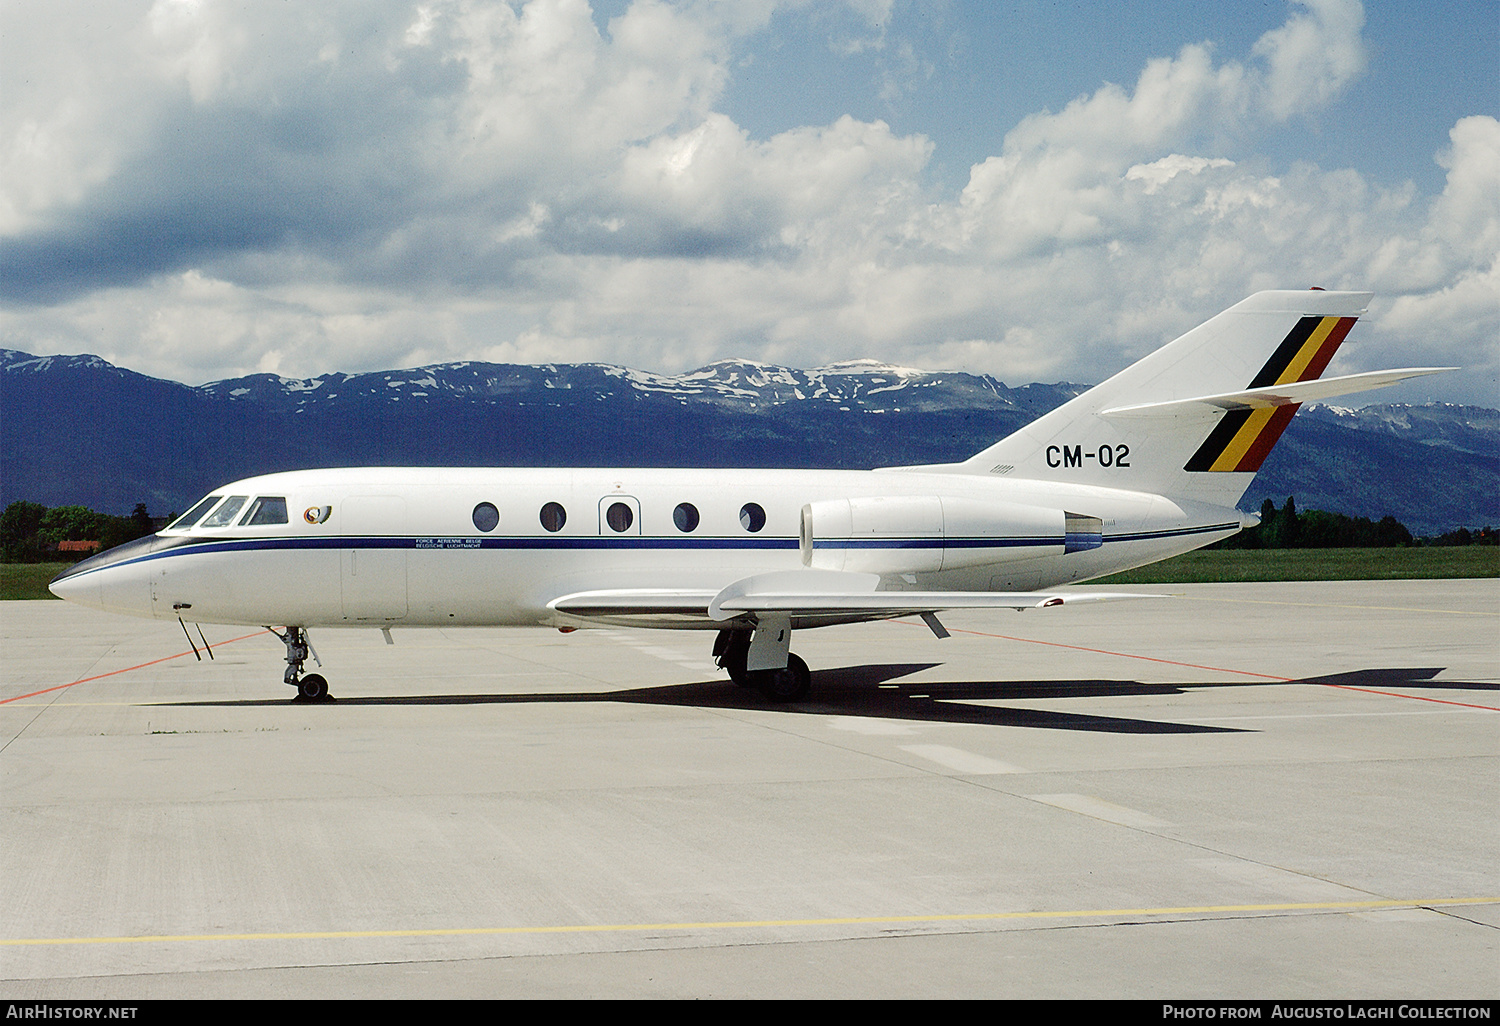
x=313, y=687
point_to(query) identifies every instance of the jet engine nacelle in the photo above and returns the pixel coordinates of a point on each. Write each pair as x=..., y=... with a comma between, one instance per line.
x=909, y=534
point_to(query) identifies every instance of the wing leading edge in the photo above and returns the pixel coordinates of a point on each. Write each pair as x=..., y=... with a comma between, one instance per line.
x=834, y=595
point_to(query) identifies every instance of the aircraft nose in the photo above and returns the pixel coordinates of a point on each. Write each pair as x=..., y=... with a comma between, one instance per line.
x=75, y=588
x=114, y=580
x=105, y=589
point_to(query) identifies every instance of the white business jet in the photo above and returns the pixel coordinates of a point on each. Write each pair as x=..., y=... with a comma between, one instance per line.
x=1147, y=465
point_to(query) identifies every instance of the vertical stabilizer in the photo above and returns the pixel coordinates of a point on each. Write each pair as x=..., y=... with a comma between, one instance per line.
x=1191, y=420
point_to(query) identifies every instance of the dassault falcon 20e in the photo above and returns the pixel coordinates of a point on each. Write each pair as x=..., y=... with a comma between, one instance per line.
x=1147, y=465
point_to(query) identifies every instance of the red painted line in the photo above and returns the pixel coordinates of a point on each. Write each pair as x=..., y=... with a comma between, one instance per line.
x=1123, y=655
x=1218, y=669
x=128, y=669
x=1417, y=698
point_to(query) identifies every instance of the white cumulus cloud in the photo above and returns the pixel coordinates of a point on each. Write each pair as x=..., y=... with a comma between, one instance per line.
x=200, y=189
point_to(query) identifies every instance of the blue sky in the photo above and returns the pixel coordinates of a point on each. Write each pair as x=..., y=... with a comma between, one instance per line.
x=975, y=69
x=197, y=189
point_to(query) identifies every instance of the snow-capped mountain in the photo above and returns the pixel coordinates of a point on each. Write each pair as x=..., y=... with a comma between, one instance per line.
x=737, y=384
x=77, y=429
x=1471, y=429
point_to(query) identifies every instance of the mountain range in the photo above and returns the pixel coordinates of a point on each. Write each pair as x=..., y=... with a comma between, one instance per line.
x=77, y=429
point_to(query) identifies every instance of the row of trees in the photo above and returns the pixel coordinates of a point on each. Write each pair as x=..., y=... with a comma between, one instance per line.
x=1286, y=528
x=30, y=532
x=1485, y=535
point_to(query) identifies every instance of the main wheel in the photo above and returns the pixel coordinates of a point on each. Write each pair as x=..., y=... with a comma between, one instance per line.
x=313, y=688
x=788, y=685
x=733, y=660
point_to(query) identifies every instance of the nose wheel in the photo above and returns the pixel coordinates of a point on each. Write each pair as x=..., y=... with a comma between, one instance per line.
x=314, y=686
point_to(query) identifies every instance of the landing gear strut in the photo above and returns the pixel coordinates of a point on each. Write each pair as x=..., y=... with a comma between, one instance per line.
x=730, y=650
x=313, y=687
x=789, y=683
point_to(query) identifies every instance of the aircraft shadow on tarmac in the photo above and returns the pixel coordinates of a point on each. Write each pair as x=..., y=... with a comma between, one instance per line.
x=1410, y=678
x=868, y=691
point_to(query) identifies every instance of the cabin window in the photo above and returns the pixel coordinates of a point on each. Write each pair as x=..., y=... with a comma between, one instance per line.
x=752, y=517
x=554, y=516
x=619, y=517
x=486, y=517
x=685, y=516
x=224, y=515
x=193, y=515
x=267, y=509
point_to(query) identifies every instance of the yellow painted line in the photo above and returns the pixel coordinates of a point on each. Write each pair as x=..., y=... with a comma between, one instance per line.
x=748, y=924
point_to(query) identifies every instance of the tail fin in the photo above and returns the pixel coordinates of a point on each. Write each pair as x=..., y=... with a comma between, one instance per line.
x=1196, y=418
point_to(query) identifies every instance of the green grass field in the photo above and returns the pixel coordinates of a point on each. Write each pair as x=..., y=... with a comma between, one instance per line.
x=1204, y=567
x=29, y=580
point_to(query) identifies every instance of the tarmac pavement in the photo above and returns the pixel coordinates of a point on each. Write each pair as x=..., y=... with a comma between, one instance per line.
x=1246, y=791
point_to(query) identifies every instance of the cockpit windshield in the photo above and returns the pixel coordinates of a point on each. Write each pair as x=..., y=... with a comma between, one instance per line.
x=267, y=509
x=224, y=515
x=193, y=515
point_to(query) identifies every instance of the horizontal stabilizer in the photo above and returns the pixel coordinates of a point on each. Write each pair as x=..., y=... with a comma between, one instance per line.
x=1272, y=396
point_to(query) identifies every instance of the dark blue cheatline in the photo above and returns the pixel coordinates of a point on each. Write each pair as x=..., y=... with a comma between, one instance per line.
x=158, y=547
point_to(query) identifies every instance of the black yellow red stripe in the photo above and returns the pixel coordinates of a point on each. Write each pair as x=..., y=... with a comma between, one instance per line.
x=1243, y=438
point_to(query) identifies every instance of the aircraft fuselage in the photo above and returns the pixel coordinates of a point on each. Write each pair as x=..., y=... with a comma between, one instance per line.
x=1143, y=466
x=477, y=547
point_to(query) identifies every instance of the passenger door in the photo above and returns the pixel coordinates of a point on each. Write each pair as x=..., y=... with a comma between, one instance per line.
x=372, y=566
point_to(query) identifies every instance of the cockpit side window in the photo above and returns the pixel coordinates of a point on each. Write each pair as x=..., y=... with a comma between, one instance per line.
x=224, y=515
x=266, y=509
x=193, y=515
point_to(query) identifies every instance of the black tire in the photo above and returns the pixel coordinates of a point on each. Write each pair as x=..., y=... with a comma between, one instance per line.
x=788, y=685
x=733, y=660
x=313, y=688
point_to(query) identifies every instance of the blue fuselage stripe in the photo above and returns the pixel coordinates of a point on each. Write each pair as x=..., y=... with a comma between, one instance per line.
x=195, y=546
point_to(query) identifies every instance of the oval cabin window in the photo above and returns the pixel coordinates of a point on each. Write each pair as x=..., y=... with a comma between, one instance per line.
x=619, y=517
x=486, y=516
x=685, y=516
x=752, y=517
x=554, y=516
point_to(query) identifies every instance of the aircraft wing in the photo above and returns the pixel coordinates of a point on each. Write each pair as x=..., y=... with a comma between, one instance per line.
x=841, y=593
x=815, y=594
x=634, y=602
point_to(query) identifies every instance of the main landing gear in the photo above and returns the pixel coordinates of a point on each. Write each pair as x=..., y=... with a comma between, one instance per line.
x=313, y=687
x=737, y=650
